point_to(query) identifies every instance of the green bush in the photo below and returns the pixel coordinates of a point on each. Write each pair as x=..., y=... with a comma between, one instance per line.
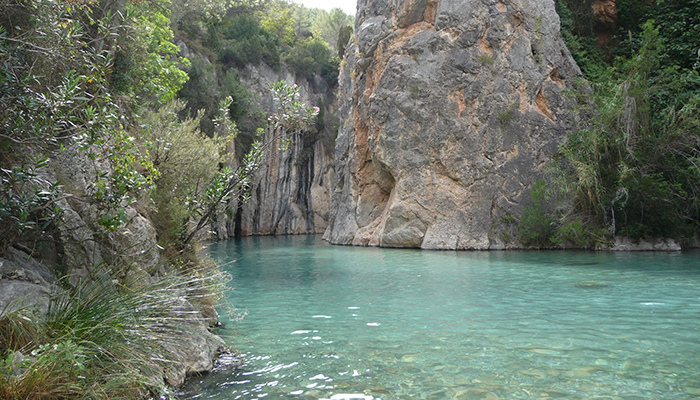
x=634, y=170
x=536, y=227
x=186, y=161
x=28, y=213
x=246, y=42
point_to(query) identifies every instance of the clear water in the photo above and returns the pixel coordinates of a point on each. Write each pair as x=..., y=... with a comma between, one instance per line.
x=346, y=322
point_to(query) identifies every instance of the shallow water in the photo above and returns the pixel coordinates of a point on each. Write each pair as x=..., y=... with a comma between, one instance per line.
x=346, y=322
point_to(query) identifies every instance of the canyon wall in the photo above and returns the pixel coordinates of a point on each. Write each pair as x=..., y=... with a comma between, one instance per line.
x=291, y=191
x=449, y=110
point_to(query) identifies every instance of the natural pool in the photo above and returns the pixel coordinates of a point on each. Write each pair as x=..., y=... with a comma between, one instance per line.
x=346, y=322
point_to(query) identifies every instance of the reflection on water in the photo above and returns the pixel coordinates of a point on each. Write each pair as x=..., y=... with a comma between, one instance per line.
x=345, y=322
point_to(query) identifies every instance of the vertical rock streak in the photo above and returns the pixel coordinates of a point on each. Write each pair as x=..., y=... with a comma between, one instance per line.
x=289, y=193
x=449, y=110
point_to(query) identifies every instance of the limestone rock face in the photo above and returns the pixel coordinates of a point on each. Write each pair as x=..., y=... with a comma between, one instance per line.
x=449, y=110
x=292, y=190
x=132, y=243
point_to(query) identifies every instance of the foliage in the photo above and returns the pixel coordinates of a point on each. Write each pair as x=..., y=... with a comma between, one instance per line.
x=56, y=91
x=245, y=41
x=535, y=226
x=195, y=183
x=276, y=33
x=209, y=10
x=679, y=30
x=227, y=184
x=41, y=111
x=310, y=57
x=332, y=27
x=145, y=65
x=578, y=34
x=186, y=161
x=344, y=36
x=100, y=340
x=278, y=20
x=292, y=116
x=302, y=18
x=200, y=93
x=27, y=205
x=634, y=171
x=244, y=111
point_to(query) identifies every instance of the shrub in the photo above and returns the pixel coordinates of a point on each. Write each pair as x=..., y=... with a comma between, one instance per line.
x=186, y=161
x=535, y=227
x=101, y=339
x=28, y=212
x=309, y=57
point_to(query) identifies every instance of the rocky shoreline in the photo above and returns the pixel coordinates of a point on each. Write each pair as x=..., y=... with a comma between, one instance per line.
x=27, y=284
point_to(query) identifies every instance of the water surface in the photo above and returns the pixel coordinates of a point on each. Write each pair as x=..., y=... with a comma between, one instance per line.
x=346, y=322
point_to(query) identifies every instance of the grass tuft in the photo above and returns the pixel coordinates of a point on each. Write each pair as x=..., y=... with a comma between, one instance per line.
x=100, y=340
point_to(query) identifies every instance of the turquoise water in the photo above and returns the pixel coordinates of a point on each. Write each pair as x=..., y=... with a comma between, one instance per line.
x=346, y=322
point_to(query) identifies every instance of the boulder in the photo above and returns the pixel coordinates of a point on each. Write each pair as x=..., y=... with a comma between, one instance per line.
x=24, y=282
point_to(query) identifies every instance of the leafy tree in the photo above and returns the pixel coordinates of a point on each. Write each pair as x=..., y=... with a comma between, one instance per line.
x=328, y=26
x=278, y=20
x=245, y=41
x=302, y=17
x=344, y=36
x=245, y=113
x=145, y=65
x=309, y=57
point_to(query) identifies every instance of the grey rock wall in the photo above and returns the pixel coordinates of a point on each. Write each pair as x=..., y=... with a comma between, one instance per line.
x=449, y=110
x=291, y=191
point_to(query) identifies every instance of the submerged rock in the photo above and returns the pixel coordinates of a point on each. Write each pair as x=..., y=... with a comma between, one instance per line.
x=449, y=110
x=591, y=284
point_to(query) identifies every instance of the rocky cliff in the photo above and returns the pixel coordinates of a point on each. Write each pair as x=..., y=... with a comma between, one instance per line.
x=291, y=191
x=79, y=251
x=449, y=111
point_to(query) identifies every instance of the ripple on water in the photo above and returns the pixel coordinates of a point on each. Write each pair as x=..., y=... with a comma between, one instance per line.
x=325, y=322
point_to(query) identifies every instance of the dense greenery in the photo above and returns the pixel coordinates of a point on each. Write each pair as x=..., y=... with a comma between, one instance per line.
x=99, y=84
x=276, y=33
x=633, y=167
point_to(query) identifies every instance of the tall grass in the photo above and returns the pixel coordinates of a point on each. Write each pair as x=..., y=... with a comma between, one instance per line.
x=100, y=340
